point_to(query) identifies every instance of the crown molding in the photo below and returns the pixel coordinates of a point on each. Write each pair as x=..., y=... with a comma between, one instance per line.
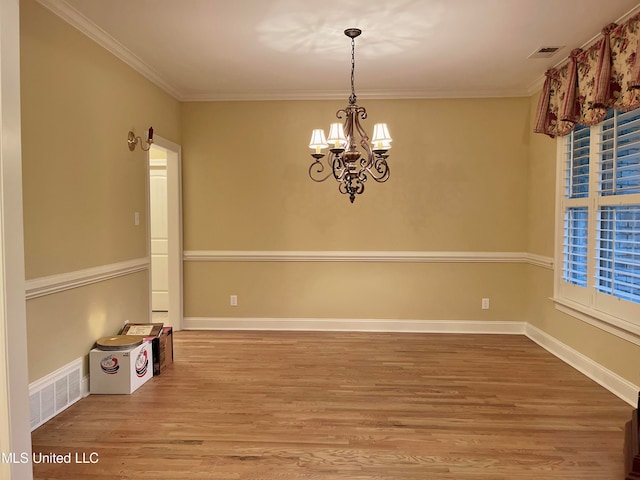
x=70, y=15
x=536, y=86
x=366, y=95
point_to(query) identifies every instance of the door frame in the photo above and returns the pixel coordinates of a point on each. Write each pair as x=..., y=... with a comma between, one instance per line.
x=15, y=432
x=174, y=224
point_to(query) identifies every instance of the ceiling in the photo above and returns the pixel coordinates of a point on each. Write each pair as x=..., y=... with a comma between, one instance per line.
x=296, y=49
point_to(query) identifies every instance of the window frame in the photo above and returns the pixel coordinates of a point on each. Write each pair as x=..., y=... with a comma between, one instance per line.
x=618, y=316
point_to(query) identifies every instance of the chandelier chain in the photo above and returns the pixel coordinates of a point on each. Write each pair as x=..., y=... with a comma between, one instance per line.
x=352, y=98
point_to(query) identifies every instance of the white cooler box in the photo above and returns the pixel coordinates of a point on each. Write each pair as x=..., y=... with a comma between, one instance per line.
x=120, y=371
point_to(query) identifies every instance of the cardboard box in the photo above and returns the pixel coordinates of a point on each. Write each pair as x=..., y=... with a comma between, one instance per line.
x=166, y=347
x=142, y=329
x=161, y=339
x=120, y=371
x=162, y=350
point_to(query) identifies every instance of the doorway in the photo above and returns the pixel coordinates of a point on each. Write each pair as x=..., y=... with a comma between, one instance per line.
x=164, y=233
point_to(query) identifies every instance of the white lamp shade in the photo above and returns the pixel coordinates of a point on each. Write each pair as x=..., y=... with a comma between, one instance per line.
x=336, y=135
x=381, y=138
x=318, y=139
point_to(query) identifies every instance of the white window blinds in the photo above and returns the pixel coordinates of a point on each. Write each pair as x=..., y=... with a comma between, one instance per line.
x=598, y=247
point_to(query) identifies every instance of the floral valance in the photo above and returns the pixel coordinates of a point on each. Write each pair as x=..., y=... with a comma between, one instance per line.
x=603, y=75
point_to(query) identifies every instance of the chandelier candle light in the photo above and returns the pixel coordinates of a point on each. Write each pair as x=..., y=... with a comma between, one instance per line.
x=345, y=162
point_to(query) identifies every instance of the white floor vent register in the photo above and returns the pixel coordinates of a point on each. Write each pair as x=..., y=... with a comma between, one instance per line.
x=50, y=395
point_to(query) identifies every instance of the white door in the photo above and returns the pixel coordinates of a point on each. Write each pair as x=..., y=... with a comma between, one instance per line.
x=165, y=230
x=159, y=231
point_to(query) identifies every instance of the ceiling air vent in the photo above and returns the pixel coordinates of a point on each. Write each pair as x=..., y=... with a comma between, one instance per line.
x=545, y=52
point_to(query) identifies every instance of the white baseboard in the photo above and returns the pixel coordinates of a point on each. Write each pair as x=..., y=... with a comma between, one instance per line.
x=353, y=325
x=604, y=377
x=84, y=386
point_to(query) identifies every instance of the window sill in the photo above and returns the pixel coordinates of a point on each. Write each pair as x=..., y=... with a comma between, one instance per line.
x=616, y=326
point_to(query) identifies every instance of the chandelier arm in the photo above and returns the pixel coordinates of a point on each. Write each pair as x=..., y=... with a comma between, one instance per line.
x=379, y=170
x=338, y=167
x=315, y=171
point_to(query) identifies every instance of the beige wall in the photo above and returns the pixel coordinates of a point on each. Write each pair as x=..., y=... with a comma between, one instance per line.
x=64, y=326
x=458, y=178
x=341, y=290
x=612, y=352
x=458, y=183
x=81, y=183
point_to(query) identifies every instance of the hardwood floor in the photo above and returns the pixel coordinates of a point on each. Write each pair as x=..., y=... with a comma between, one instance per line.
x=357, y=406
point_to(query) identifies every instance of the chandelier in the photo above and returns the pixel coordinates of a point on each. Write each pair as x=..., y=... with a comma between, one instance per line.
x=349, y=166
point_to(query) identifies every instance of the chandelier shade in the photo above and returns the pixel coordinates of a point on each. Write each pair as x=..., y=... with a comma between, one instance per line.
x=353, y=157
x=336, y=135
x=318, y=140
x=381, y=137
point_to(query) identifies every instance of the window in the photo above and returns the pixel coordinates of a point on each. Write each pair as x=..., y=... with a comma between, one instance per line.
x=575, y=246
x=599, y=206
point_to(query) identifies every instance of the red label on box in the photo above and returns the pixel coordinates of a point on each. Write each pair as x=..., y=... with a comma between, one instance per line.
x=110, y=365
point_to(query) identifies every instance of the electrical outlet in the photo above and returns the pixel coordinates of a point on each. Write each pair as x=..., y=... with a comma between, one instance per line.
x=233, y=300
x=485, y=304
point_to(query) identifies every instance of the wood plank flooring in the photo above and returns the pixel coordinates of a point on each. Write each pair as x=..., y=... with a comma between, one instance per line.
x=357, y=406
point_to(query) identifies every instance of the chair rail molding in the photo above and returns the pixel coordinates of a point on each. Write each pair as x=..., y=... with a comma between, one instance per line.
x=366, y=256
x=51, y=284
